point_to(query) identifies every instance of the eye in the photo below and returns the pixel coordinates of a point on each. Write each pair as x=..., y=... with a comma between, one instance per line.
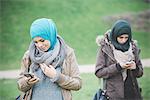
x=42, y=40
x=35, y=41
x=121, y=37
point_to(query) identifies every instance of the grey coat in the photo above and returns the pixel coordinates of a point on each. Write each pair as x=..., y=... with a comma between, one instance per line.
x=106, y=67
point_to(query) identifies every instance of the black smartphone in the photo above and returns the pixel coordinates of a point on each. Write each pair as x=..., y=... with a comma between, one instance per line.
x=28, y=75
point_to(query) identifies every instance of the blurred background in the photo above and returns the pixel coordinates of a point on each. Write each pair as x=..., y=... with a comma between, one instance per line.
x=78, y=22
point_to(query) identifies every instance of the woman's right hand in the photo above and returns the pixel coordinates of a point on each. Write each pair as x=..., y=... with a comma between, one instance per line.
x=124, y=66
x=129, y=65
x=32, y=80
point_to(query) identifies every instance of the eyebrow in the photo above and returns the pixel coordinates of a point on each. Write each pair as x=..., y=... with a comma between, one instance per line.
x=124, y=36
x=38, y=40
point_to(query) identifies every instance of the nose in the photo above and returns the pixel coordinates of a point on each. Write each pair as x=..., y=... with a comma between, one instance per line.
x=124, y=40
x=40, y=45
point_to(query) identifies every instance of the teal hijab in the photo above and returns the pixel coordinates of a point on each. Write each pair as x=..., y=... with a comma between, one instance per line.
x=46, y=29
x=119, y=28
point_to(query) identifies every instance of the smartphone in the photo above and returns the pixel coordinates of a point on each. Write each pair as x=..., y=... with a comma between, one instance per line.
x=28, y=75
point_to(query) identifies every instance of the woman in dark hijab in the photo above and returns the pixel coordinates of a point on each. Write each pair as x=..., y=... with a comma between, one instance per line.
x=118, y=63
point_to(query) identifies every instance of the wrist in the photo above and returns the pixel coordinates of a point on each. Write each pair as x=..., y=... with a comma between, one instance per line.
x=54, y=79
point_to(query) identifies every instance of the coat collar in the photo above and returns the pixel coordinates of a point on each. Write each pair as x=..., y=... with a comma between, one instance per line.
x=107, y=50
x=106, y=47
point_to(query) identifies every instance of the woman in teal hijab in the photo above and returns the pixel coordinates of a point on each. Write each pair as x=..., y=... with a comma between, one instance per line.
x=49, y=68
x=46, y=29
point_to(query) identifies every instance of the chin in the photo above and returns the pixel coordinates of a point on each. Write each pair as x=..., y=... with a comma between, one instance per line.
x=45, y=50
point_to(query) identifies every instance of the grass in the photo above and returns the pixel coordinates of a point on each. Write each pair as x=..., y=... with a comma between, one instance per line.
x=143, y=44
x=144, y=82
x=89, y=87
x=8, y=88
x=78, y=22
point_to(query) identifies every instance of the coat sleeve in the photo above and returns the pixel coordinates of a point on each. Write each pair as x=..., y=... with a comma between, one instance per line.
x=138, y=72
x=22, y=82
x=101, y=69
x=71, y=80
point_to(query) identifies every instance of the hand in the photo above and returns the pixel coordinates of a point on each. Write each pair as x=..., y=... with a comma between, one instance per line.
x=48, y=71
x=125, y=66
x=32, y=80
x=132, y=65
x=128, y=65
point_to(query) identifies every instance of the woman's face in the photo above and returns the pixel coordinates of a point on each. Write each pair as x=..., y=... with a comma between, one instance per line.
x=122, y=38
x=42, y=44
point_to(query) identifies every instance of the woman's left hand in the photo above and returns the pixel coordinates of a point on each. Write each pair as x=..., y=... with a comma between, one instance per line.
x=48, y=71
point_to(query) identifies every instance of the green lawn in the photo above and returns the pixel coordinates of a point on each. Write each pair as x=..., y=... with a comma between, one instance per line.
x=78, y=22
x=8, y=88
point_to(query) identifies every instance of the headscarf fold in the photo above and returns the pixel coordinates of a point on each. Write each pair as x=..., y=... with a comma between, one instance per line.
x=120, y=27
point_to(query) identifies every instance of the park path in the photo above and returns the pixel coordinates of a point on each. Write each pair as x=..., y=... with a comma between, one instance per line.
x=13, y=74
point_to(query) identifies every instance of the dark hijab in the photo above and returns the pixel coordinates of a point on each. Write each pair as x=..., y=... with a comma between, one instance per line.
x=119, y=28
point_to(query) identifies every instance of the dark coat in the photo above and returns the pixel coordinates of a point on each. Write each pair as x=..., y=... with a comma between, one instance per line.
x=106, y=67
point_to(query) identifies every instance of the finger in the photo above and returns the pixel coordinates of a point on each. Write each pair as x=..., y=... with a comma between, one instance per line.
x=27, y=78
x=127, y=66
x=50, y=66
x=41, y=65
x=37, y=79
x=33, y=82
x=44, y=64
x=32, y=79
x=42, y=68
